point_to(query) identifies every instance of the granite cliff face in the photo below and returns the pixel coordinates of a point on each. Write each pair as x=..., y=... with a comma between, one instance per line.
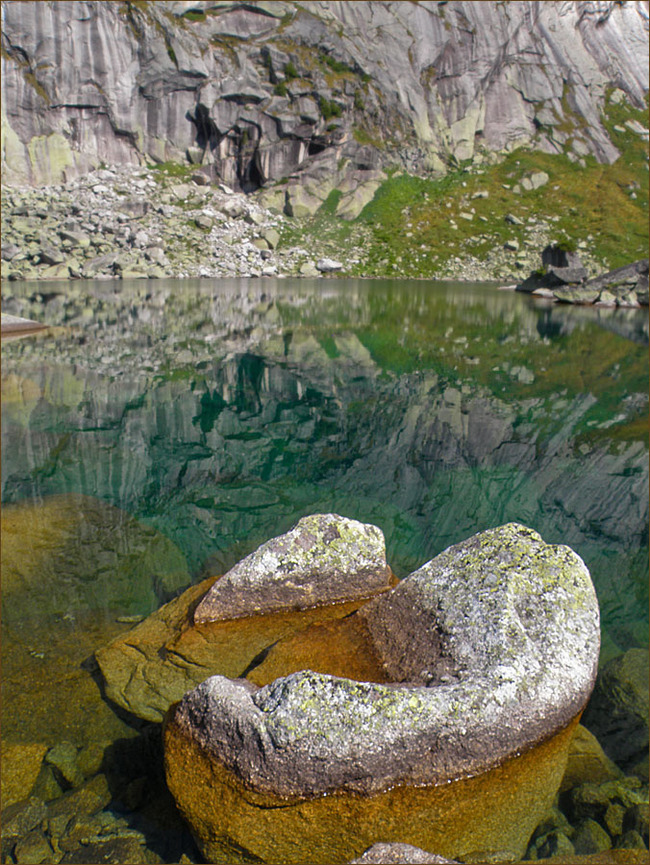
x=259, y=90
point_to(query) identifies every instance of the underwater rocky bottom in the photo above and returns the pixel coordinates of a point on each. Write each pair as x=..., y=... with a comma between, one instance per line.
x=109, y=803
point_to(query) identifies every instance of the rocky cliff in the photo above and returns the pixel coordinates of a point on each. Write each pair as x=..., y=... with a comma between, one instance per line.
x=260, y=90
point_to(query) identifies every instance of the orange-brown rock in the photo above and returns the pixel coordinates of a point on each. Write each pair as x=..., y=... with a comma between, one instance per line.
x=471, y=818
x=475, y=668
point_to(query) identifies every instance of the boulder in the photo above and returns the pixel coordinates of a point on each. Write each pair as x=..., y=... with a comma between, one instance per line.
x=534, y=180
x=159, y=660
x=20, y=767
x=328, y=265
x=215, y=627
x=627, y=286
x=491, y=653
x=398, y=854
x=588, y=762
x=566, y=275
x=301, y=202
x=324, y=559
x=557, y=255
x=590, y=837
x=580, y=294
x=617, y=713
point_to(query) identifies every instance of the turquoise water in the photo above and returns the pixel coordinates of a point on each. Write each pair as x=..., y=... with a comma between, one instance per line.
x=181, y=423
x=220, y=412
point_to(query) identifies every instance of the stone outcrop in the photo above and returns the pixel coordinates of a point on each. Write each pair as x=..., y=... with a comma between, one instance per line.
x=564, y=278
x=257, y=91
x=625, y=286
x=324, y=559
x=491, y=649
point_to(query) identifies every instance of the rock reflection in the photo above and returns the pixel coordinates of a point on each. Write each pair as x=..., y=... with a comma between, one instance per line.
x=221, y=412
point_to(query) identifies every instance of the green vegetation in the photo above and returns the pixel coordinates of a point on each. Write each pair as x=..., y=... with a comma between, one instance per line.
x=415, y=225
x=194, y=15
x=329, y=108
x=280, y=89
x=172, y=170
x=172, y=55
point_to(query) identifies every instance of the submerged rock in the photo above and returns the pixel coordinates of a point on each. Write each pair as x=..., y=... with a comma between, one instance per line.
x=92, y=552
x=324, y=559
x=491, y=649
x=588, y=762
x=618, y=711
x=20, y=767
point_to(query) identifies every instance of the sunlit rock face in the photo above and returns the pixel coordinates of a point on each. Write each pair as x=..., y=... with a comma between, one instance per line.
x=324, y=559
x=260, y=90
x=490, y=649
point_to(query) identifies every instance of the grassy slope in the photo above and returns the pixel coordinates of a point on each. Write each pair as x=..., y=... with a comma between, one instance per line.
x=406, y=229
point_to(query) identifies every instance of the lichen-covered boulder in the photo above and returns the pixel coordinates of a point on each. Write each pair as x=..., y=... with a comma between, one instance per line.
x=492, y=652
x=322, y=570
x=324, y=559
x=399, y=854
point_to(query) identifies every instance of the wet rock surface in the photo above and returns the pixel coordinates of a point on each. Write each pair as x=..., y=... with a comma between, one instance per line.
x=158, y=661
x=618, y=711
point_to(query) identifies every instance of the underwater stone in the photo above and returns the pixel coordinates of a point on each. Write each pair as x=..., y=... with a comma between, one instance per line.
x=618, y=711
x=491, y=649
x=19, y=770
x=324, y=559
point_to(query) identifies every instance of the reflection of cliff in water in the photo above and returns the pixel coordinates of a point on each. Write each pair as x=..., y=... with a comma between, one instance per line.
x=221, y=415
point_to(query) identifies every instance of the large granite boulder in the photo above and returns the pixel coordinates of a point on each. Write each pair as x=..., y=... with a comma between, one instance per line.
x=491, y=650
x=623, y=286
x=322, y=569
x=324, y=559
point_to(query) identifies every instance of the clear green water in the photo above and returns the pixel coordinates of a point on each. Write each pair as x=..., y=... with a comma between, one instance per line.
x=218, y=412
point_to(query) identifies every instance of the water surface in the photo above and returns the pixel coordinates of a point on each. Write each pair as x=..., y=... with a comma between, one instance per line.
x=160, y=430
